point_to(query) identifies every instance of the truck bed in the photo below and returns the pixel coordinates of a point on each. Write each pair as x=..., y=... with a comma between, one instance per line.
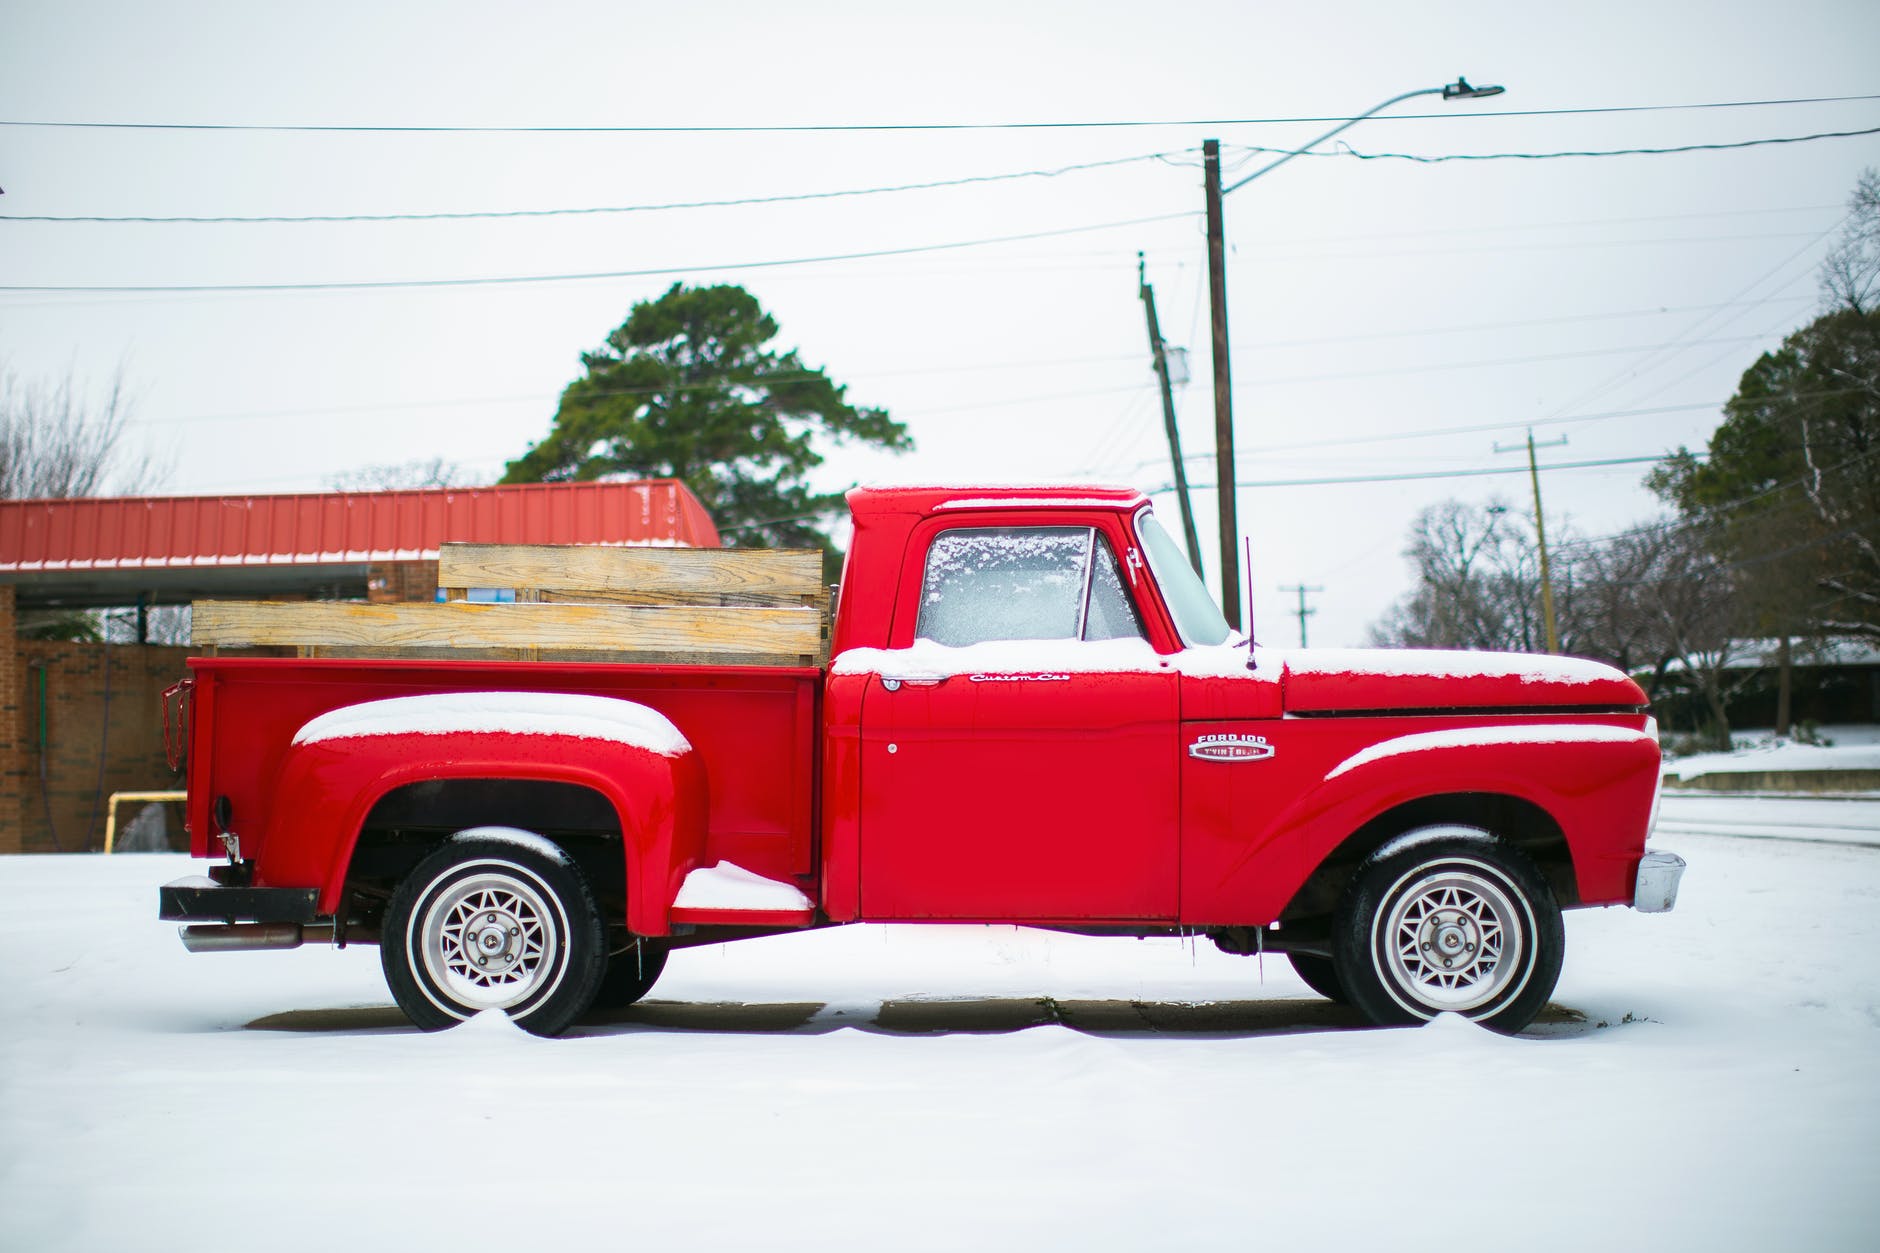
x=753, y=727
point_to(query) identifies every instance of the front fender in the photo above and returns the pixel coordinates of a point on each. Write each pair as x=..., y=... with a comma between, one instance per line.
x=1595, y=781
x=328, y=786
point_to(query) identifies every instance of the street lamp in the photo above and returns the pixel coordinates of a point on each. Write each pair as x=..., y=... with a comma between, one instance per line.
x=1217, y=307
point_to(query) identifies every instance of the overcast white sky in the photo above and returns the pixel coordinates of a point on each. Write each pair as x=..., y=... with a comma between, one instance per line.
x=1371, y=302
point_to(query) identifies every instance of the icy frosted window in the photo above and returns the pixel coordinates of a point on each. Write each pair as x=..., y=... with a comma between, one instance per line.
x=1022, y=583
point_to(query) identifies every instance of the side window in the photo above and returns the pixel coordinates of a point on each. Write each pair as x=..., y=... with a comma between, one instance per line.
x=1023, y=583
x=1112, y=615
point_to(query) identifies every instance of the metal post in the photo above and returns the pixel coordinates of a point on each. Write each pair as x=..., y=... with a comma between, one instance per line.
x=1217, y=307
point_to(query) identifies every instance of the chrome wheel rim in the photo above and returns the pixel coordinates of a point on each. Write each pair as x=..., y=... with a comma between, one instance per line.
x=1452, y=940
x=491, y=940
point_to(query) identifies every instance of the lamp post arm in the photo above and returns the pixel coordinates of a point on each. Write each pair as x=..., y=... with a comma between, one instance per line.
x=1339, y=129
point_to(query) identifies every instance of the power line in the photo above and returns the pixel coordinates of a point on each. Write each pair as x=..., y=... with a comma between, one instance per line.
x=658, y=272
x=469, y=215
x=1668, y=525
x=1436, y=366
x=1343, y=150
x=875, y=127
x=1420, y=474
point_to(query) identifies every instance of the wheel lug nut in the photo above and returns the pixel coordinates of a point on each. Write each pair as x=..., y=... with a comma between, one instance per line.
x=1447, y=963
x=513, y=932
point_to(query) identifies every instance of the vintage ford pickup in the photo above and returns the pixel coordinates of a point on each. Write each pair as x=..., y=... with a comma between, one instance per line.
x=1032, y=713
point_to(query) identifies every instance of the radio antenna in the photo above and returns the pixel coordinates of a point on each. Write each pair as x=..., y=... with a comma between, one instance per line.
x=1247, y=547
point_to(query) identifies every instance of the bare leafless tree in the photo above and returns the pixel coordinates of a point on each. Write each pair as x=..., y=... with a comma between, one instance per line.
x=57, y=441
x=1850, y=276
x=427, y=472
x=1478, y=582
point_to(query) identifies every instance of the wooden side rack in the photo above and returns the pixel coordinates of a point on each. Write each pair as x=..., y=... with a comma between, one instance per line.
x=719, y=606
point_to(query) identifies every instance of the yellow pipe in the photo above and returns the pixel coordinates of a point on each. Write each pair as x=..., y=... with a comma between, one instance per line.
x=110, y=812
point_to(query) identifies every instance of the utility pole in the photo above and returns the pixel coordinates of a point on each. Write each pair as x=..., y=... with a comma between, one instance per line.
x=1223, y=383
x=1168, y=417
x=1540, y=529
x=1302, y=612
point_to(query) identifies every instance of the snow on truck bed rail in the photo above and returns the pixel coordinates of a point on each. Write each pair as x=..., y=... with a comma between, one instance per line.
x=516, y=713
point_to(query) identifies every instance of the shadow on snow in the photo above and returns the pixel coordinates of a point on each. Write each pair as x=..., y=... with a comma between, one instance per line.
x=939, y=1016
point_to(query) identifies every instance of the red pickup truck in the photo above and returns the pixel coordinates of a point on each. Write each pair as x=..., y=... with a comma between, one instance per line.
x=1033, y=714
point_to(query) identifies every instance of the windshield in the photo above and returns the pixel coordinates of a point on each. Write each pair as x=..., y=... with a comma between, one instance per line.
x=1196, y=616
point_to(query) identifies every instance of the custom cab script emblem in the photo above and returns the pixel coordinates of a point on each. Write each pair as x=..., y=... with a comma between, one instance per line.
x=1231, y=748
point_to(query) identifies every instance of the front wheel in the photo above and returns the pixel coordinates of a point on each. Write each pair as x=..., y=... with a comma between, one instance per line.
x=1449, y=920
x=495, y=919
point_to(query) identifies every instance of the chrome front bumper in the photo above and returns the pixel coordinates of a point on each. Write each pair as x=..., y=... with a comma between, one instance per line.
x=1656, y=890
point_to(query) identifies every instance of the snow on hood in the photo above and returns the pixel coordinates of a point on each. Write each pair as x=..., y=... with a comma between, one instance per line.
x=1347, y=679
x=514, y=713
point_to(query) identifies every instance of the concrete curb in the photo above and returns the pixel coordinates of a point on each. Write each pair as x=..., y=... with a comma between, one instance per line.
x=1803, y=782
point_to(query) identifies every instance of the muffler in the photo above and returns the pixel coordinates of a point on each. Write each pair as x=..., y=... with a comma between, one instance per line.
x=242, y=937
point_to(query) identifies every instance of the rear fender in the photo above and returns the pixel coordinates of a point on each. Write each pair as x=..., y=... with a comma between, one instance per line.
x=327, y=787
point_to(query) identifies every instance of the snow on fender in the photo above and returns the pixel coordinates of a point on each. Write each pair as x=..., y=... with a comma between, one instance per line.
x=1482, y=737
x=344, y=762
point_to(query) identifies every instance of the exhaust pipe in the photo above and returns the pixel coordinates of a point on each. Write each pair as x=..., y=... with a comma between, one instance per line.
x=242, y=937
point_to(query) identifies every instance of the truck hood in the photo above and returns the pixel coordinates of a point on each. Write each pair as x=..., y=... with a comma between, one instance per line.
x=1383, y=679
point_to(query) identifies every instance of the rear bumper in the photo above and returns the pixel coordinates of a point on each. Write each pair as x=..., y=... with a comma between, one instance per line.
x=203, y=900
x=1656, y=889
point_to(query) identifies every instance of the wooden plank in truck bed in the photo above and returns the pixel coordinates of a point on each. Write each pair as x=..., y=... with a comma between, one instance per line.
x=722, y=632
x=644, y=576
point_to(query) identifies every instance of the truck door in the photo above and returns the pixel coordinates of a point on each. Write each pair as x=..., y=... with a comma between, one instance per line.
x=1021, y=755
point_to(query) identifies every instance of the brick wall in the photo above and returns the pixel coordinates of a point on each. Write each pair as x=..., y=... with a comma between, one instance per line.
x=401, y=580
x=12, y=764
x=101, y=703
x=67, y=811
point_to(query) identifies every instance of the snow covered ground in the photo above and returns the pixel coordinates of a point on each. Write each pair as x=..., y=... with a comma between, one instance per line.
x=1848, y=748
x=1711, y=1080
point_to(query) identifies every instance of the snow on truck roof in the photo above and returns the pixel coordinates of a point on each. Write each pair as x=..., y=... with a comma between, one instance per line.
x=937, y=497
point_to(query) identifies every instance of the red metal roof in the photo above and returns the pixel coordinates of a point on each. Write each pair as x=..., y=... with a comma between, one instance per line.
x=190, y=532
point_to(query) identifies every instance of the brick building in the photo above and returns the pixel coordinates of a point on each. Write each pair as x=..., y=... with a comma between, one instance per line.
x=81, y=720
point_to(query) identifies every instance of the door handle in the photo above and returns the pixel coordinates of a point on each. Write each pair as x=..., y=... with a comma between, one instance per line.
x=893, y=682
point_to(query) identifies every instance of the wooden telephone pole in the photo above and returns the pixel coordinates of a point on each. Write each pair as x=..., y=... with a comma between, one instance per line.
x=1302, y=612
x=1160, y=350
x=1223, y=383
x=1540, y=530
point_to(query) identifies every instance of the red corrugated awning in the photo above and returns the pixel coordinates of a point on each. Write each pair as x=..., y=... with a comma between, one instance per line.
x=156, y=541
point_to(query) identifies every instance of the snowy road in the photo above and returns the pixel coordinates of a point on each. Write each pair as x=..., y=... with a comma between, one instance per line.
x=1711, y=1080
x=1830, y=821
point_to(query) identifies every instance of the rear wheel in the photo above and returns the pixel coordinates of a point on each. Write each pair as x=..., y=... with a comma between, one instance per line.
x=630, y=975
x=1449, y=920
x=1318, y=974
x=495, y=919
